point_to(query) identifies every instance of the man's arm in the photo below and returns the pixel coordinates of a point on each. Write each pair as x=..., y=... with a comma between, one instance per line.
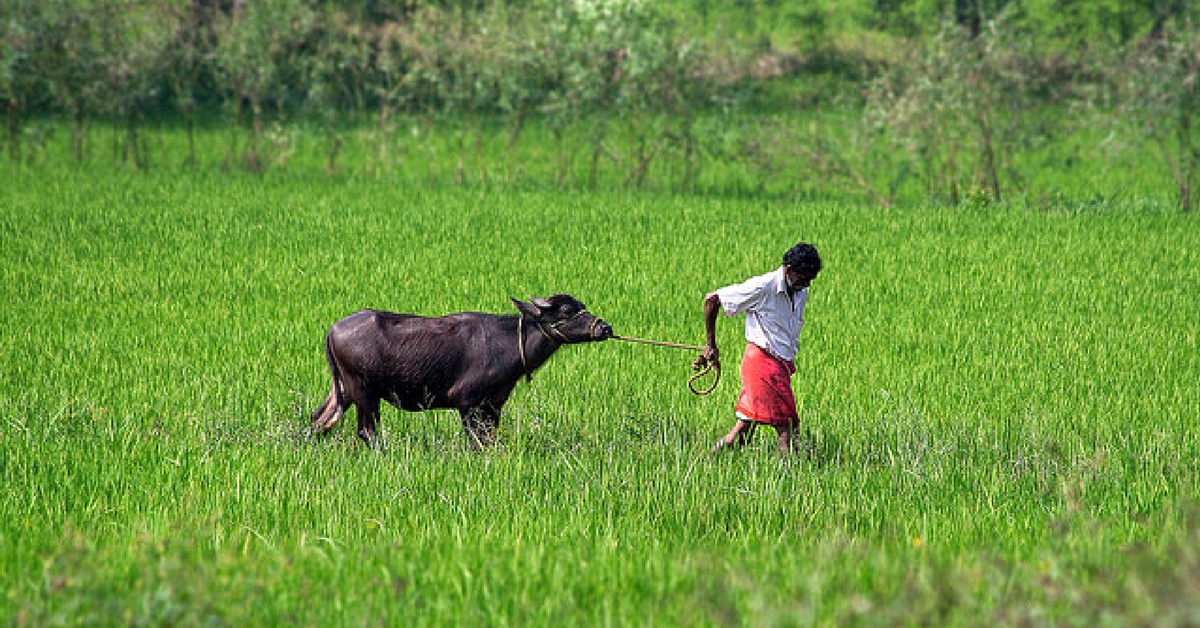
x=712, y=307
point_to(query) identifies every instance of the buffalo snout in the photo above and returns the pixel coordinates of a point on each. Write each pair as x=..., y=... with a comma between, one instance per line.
x=601, y=330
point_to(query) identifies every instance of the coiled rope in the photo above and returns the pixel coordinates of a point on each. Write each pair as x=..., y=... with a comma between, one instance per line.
x=701, y=366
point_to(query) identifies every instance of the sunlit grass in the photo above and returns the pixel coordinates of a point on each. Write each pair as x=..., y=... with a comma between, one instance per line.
x=998, y=409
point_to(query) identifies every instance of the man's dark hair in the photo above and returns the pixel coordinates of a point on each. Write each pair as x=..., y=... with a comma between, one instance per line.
x=803, y=258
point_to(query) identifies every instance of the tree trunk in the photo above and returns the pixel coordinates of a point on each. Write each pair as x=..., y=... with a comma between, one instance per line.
x=190, y=126
x=77, y=135
x=989, y=156
x=518, y=125
x=335, y=148
x=1189, y=156
x=14, y=130
x=253, y=161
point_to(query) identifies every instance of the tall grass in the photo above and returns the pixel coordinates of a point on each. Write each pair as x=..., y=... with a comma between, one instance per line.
x=999, y=412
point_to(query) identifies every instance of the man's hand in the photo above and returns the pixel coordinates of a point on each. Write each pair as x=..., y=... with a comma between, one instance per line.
x=710, y=355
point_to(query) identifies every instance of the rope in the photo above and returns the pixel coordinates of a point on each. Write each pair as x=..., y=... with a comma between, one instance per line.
x=701, y=366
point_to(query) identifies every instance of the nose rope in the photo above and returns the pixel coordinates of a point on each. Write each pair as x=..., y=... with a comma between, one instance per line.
x=561, y=337
x=701, y=366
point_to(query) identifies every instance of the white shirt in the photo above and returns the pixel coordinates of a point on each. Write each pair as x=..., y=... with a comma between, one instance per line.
x=773, y=319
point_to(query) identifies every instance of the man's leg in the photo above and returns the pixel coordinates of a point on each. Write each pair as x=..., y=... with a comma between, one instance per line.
x=785, y=438
x=741, y=434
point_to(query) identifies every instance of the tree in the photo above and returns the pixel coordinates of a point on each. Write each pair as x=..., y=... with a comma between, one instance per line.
x=134, y=44
x=519, y=69
x=188, y=61
x=1158, y=95
x=335, y=74
x=258, y=52
x=20, y=82
x=69, y=54
x=620, y=66
x=387, y=84
x=955, y=105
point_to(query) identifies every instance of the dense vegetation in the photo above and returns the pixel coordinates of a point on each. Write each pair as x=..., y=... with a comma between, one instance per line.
x=984, y=101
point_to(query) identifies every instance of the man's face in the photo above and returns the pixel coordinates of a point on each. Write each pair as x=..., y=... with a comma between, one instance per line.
x=798, y=280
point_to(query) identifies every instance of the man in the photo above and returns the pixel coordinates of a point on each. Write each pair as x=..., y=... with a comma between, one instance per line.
x=774, y=308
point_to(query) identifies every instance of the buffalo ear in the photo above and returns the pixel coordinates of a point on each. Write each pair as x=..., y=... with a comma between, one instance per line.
x=528, y=309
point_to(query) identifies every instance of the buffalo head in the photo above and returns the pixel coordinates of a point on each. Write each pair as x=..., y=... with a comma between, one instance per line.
x=564, y=319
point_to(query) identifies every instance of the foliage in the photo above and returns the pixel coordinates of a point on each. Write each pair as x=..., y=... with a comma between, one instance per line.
x=957, y=105
x=337, y=75
x=21, y=87
x=1100, y=24
x=1157, y=88
x=256, y=60
x=632, y=93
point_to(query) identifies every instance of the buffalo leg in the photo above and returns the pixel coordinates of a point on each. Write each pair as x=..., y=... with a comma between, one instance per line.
x=368, y=420
x=327, y=414
x=480, y=423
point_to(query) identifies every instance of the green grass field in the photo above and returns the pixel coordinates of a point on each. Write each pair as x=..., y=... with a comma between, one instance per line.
x=999, y=410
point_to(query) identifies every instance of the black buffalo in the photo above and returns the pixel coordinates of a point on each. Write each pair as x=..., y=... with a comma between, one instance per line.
x=468, y=361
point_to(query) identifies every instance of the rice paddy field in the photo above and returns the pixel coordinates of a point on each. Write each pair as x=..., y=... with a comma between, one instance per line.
x=999, y=412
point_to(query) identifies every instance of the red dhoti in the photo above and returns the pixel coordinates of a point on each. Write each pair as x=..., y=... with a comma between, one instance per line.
x=766, y=389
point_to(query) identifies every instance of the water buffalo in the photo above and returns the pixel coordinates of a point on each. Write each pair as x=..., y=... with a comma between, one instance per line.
x=467, y=361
